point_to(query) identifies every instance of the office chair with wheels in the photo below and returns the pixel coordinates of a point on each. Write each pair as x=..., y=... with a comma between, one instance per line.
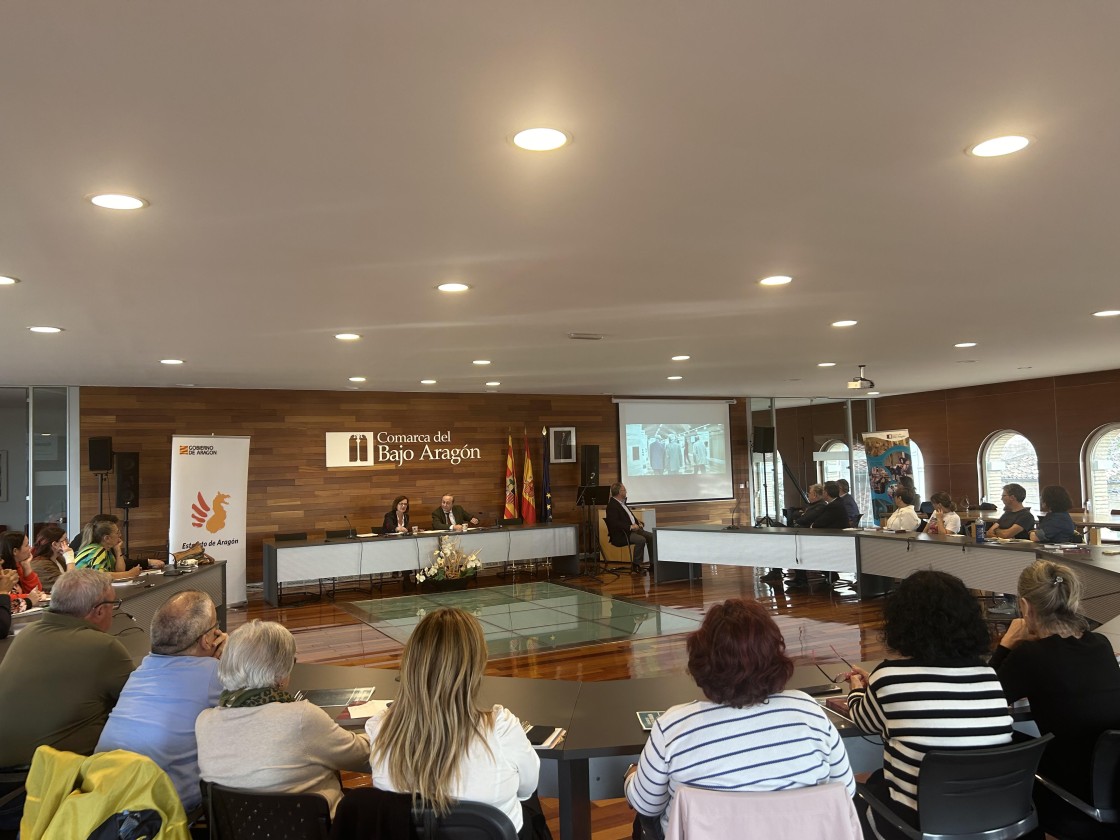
x=969, y=794
x=1104, y=807
x=259, y=815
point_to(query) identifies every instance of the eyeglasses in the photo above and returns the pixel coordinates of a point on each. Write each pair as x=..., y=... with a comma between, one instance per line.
x=197, y=639
x=116, y=603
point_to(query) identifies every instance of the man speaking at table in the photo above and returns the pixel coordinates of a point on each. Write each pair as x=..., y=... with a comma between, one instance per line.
x=450, y=516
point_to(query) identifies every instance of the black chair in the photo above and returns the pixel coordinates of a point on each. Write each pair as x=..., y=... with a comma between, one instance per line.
x=855, y=522
x=970, y=794
x=257, y=815
x=1104, y=809
x=13, y=792
x=926, y=508
x=345, y=533
x=292, y=537
x=466, y=821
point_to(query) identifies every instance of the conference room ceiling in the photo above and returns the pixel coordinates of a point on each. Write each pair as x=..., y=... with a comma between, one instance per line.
x=316, y=168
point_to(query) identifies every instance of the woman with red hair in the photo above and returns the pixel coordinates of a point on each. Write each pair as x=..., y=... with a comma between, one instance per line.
x=742, y=737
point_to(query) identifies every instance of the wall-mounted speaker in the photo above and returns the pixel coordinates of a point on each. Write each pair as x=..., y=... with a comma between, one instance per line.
x=100, y=454
x=764, y=439
x=128, y=479
x=589, y=465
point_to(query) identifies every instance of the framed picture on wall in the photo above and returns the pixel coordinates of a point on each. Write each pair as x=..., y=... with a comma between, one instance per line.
x=562, y=444
x=3, y=475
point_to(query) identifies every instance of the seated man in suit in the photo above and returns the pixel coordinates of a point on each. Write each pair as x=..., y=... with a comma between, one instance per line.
x=450, y=516
x=833, y=514
x=624, y=528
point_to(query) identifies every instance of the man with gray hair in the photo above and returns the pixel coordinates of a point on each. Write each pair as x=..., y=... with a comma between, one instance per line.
x=63, y=674
x=178, y=679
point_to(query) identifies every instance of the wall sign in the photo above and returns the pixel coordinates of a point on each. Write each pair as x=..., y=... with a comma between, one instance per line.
x=367, y=449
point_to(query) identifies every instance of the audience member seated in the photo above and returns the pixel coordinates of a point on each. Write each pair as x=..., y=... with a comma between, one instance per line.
x=625, y=528
x=1057, y=526
x=15, y=555
x=8, y=581
x=435, y=741
x=849, y=502
x=51, y=555
x=396, y=520
x=260, y=737
x=740, y=738
x=102, y=552
x=450, y=516
x=937, y=636
x=156, y=712
x=833, y=514
x=944, y=519
x=817, y=502
x=904, y=518
x=1069, y=675
x=1017, y=521
x=62, y=674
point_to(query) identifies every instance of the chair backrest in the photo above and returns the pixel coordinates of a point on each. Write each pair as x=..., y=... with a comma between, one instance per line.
x=612, y=553
x=973, y=792
x=466, y=821
x=236, y=814
x=926, y=508
x=334, y=535
x=855, y=522
x=509, y=523
x=1106, y=776
x=292, y=537
x=822, y=812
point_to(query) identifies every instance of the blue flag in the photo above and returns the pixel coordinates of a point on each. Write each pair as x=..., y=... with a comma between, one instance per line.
x=546, y=487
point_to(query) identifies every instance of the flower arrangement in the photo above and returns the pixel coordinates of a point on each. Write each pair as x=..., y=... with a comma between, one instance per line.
x=450, y=562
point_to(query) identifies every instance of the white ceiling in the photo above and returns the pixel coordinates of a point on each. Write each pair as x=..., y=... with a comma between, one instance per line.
x=319, y=167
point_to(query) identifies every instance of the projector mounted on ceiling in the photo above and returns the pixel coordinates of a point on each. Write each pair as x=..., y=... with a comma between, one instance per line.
x=861, y=382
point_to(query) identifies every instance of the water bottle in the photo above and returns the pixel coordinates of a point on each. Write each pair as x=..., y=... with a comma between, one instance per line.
x=981, y=530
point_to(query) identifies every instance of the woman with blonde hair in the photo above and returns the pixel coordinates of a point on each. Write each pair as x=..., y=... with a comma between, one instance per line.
x=1069, y=675
x=436, y=743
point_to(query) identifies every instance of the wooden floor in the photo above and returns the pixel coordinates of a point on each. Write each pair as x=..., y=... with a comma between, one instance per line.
x=820, y=626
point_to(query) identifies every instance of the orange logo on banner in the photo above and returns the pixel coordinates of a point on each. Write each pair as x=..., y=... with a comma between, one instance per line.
x=213, y=517
x=184, y=450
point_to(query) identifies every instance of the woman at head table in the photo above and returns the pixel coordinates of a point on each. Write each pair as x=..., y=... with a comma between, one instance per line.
x=260, y=737
x=944, y=519
x=738, y=739
x=938, y=641
x=396, y=520
x=1071, y=678
x=437, y=743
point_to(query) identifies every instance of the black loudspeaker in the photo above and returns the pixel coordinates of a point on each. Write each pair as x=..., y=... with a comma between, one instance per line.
x=589, y=465
x=128, y=479
x=100, y=454
x=764, y=439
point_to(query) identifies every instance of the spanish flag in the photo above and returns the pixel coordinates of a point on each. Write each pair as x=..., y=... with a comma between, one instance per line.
x=511, y=485
x=528, y=491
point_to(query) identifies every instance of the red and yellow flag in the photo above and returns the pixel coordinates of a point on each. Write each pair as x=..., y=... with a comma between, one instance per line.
x=528, y=491
x=511, y=485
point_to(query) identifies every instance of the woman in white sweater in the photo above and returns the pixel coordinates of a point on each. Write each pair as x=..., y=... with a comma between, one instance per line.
x=260, y=737
x=436, y=743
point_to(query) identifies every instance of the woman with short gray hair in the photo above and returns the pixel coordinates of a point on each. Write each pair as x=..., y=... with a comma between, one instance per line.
x=260, y=737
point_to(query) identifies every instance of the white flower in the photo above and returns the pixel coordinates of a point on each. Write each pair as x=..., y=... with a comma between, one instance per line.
x=420, y=579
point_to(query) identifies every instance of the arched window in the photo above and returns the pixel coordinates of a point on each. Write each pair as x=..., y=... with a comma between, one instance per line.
x=1008, y=458
x=766, y=496
x=1101, y=467
x=859, y=485
x=918, y=464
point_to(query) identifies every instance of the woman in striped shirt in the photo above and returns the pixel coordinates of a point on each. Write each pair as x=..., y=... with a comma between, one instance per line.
x=749, y=735
x=939, y=693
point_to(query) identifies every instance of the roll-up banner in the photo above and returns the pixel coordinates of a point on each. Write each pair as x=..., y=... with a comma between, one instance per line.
x=888, y=465
x=209, y=485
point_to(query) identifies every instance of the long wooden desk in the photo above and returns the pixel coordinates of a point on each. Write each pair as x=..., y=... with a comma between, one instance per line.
x=291, y=562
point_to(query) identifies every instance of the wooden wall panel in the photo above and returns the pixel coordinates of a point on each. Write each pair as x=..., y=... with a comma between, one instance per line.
x=290, y=489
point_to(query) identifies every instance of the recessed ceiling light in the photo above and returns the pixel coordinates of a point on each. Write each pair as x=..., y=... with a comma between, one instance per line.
x=46, y=329
x=681, y=358
x=8, y=281
x=427, y=382
x=493, y=384
x=872, y=393
x=347, y=336
x=578, y=336
x=481, y=362
x=540, y=139
x=184, y=384
x=776, y=280
x=997, y=146
x=966, y=344
x=1026, y=367
x=170, y=361
x=453, y=287
x=674, y=377
x=44, y=434
x=1107, y=313
x=826, y=364
x=116, y=201
x=844, y=323
x=357, y=379
x=966, y=361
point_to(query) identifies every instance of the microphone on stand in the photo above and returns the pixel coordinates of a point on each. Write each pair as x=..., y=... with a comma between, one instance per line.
x=353, y=533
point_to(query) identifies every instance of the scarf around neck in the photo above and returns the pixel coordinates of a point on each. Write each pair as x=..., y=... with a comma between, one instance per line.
x=254, y=697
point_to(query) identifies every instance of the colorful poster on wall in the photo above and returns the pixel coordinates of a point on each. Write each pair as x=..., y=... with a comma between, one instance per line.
x=209, y=485
x=888, y=467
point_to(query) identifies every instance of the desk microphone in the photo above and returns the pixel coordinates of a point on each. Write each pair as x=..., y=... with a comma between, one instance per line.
x=353, y=534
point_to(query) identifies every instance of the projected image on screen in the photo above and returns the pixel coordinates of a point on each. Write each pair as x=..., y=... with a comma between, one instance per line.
x=675, y=451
